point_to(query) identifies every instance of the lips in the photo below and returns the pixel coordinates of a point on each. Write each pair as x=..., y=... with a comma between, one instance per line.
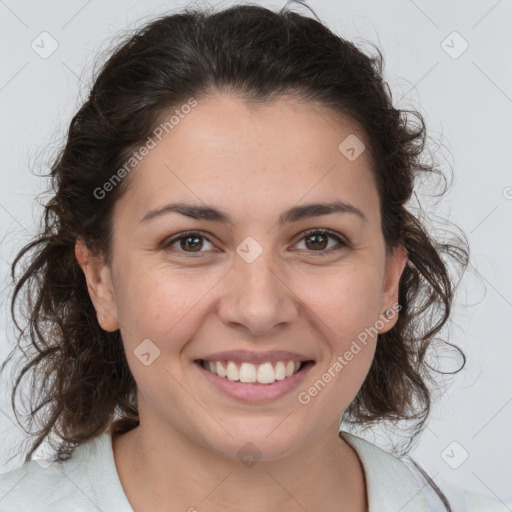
x=256, y=392
x=255, y=376
x=251, y=367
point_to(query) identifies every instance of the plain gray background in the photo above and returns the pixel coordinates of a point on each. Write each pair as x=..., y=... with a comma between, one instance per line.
x=466, y=99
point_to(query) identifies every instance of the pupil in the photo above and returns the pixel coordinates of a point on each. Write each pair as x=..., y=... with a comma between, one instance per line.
x=195, y=244
x=315, y=244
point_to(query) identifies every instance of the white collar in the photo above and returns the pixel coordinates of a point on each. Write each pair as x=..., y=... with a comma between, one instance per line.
x=391, y=487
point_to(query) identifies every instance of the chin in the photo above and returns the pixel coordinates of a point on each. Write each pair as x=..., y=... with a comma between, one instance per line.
x=262, y=439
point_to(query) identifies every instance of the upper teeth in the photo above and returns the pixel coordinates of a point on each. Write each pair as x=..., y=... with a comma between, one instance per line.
x=264, y=373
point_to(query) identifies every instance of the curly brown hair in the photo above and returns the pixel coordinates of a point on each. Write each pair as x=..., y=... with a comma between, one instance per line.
x=82, y=383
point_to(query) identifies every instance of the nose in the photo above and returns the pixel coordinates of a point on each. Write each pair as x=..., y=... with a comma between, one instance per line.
x=256, y=299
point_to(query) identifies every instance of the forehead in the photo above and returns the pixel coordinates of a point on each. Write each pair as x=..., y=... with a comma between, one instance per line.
x=226, y=151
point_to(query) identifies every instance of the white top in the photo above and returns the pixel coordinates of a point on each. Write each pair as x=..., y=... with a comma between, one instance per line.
x=88, y=481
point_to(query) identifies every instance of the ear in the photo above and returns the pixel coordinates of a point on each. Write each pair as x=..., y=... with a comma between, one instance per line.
x=395, y=265
x=99, y=284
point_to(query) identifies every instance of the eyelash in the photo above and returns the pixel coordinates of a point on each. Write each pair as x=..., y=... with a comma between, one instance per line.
x=343, y=243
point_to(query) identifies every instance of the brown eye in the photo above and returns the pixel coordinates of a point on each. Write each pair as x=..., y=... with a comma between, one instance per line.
x=189, y=243
x=317, y=240
x=192, y=242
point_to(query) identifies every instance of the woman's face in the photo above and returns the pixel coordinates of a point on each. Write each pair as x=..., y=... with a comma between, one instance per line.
x=255, y=283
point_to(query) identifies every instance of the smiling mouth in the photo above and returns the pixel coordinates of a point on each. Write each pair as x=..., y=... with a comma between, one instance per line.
x=248, y=373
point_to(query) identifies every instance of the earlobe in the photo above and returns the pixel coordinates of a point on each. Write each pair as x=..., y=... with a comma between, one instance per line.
x=99, y=285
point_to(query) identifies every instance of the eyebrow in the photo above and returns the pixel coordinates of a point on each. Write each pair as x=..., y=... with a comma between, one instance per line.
x=295, y=214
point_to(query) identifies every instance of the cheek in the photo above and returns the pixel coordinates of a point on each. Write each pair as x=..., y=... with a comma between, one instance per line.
x=346, y=301
x=344, y=313
x=163, y=309
x=344, y=309
x=161, y=305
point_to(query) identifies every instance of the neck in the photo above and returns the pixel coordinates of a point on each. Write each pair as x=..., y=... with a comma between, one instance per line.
x=157, y=470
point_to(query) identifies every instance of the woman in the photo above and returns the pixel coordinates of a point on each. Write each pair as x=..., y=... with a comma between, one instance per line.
x=228, y=267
